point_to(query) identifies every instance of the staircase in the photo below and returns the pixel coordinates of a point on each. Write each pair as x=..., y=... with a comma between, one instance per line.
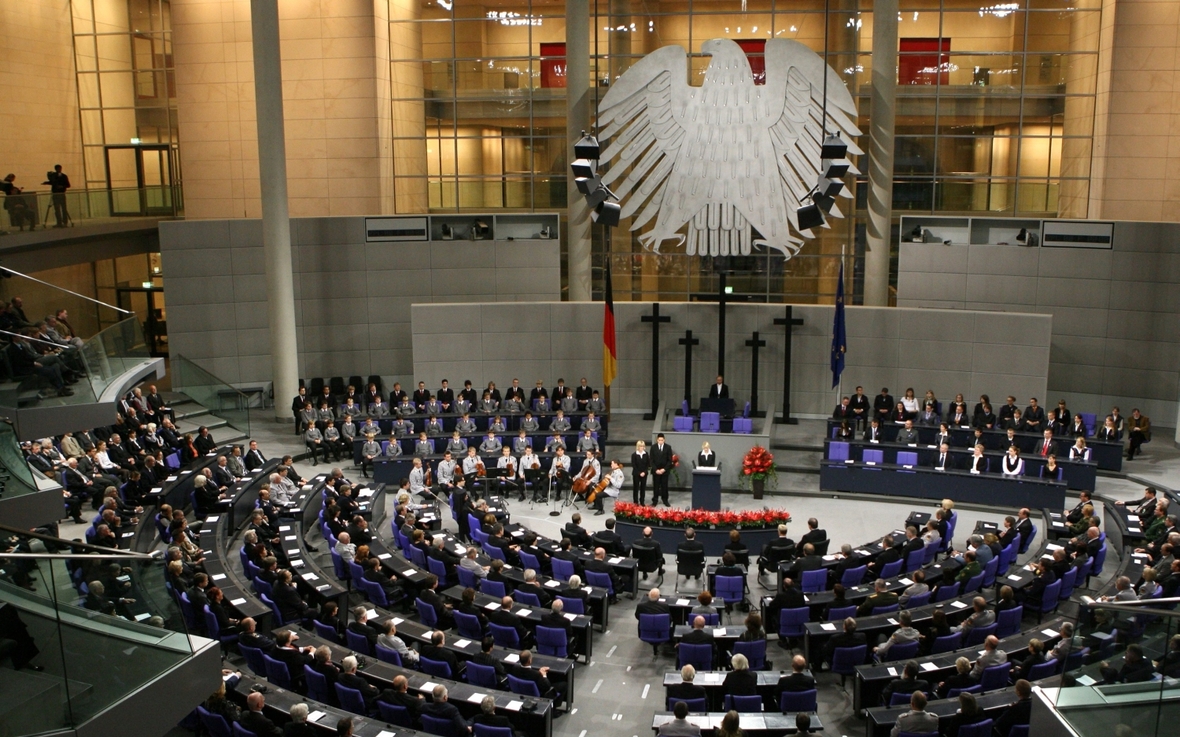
x=191, y=417
x=796, y=457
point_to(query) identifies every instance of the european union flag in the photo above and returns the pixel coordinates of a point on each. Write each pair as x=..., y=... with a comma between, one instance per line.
x=838, y=336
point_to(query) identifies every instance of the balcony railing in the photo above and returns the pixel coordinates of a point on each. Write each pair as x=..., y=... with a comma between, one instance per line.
x=87, y=206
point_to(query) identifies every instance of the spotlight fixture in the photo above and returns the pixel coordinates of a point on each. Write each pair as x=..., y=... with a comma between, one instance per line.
x=834, y=168
x=607, y=213
x=833, y=148
x=603, y=203
x=584, y=168
x=586, y=185
x=587, y=147
x=828, y=187
x=809, y=216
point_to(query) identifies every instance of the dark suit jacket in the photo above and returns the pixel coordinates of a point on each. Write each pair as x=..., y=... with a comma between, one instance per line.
x=610, y=541
x=433, y=652
x=685, y=690
x=445, y=710
x=647, y=606
x=577, y=534
x=368, y=690
x=508, y=619
x=697, y=637
x=716, y=392
x=258, y=723
x=660, y=458
x=806, y=563
x=741, y=683
x=367, y=631
x=796, y=682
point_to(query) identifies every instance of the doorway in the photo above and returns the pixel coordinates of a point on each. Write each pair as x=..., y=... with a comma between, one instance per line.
x=141, y=179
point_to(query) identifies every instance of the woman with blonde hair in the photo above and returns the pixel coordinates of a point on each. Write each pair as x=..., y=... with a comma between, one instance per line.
x=729, y=725
x=640, y=470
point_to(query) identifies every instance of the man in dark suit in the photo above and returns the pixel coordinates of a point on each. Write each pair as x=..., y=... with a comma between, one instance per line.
x=650, y=547
x=652, y=605
x=943, y=461
x=809, y=561
x=524, y=669
x=576, y=533
x=599, y=564
x=350, y=679
x=719, y=389
x=698, y=635
x=1019, y=712
x=779, y=549
x=565, y=552
x=292, y=655
x=248, y=637
x=436, y=649
x=883, y=405
x=1034, y=416
x=254, y=458
x=873, y=431
x=888, y=554
x=485, y=656
x=843, y=410
x=555, y=618
x=430, y=597
x=661, y=468
x=789, y=597
x=1024, y=525
x=686, y=690
x=1047, y=446
x=814, y=534
x=421, y=396
x=360, y=626
x=440, y=708
x=861, y=408
x=610, y=540
x=906, y=684
x=848, y=638
x=487, y=715
x=530, y=586
x=797, y=679
x=504, y=617
x=254, y=720
x=583, y=393
x=399, y=695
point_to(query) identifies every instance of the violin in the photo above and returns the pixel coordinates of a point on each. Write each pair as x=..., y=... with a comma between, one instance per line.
x=426, y=479
x=480, y=469
x=511, y=468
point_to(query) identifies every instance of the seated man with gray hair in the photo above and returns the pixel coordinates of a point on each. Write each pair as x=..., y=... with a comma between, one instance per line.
x=440, y=708
x=488, y=717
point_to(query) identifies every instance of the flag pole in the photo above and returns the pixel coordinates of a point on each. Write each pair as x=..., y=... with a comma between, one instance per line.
x=840, y=385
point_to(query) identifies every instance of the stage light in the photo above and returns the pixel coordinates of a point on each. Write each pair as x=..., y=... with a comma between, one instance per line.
x=835, y=168
x=809, y=216
x=829, y=187
x=833, y=148
x=583, y=168
x=607, y=213
x=824, y=203
x=594, y=198
x=586, y=185
x=587, y=147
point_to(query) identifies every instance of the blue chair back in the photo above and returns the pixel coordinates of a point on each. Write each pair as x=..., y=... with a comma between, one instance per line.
x=974, y=583
x=838, y=614
x=907, y=458
x=469, y=626
x=552, y=641
x=481, y=675
x=694, y=705
x=755, y=652
x=338, y=565
x=253, y=658
x=523, y=686
x=417, y=557
x=529, y=599
x=655, y=628
x=326, y=632
x=240, y=731
x=395, y=714
x=796, y=701
x=1099, y=561
x=467, y=579
x=698, y=656
x=730, y=589
x=1008, y=556
x=885, y=609
x=357, y=642
x=902, y=651
x=437, y=725
x=562, y=569
x=317, y=685
x=1008, y=621
x=1067, y=583
x=388, y=655
x=602, y=581
x=931, y=551
x=262, y=586
x=374, y=593
x=897, y=699
x=276, y=672
x=1027, y=541
x=989, y=572
x=814, y=581
x=979, y=634
x=918, y=600
x=791, y=622
x=528, y=560
x=948, y=591
x=1043, y=670
x=946, y=643
x=484, y=730
x=436, y=668
x=493, y=588
x=871, y=455
x=1049, y=600
x=438, y=568
x=889, y=570
x=1076, y=658
x=979, y=729
x=853, y=576
x=913, y=559
x=743, y=704
x=426, y=614
x=273, y=608
x=355, y=572
x=845, y=659
x=995, y=677
x=837, y=450
x=215, y=724
x=573, y=605
x=505, y=636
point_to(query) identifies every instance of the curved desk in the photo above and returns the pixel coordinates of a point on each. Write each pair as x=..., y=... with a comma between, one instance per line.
x=987, y=489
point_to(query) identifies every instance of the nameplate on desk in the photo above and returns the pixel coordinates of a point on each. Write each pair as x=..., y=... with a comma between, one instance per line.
x=870, y=463
x=384, y=556
x=171, y=478
x=907, y=466
x=185, y=473
x=874, y=442
x=828, y=627
x=284, y=528
x=912, y=445
x=156, y=490
x=237, y=602
x=128, y=534
x=958, y=605
x=293, y=551
x=290, y=537
x=323, y=587
x=309, y=576
x=297, y=564
x=217, y=576
x=850, y=461
x=212, y=518
x=1133, y=529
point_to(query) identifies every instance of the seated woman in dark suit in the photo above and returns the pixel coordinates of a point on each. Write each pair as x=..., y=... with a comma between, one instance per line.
x=961, y=678
x=968, y=713
x=754, y=631
x=838, y=600
x=938, y=628
x=741, y=681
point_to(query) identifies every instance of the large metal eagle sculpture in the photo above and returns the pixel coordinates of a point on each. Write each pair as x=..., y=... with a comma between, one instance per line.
x=727, y=156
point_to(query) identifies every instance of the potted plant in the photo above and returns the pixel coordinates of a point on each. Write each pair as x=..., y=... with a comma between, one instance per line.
x=757, y=467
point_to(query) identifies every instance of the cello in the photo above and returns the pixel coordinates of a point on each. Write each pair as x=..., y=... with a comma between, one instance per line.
x=582, y=482
x=598, y=489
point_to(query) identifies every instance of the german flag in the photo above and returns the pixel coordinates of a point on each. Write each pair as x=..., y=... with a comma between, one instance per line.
x=609, y=353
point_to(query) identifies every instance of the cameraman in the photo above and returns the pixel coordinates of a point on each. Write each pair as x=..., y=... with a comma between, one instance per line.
x=58, y=183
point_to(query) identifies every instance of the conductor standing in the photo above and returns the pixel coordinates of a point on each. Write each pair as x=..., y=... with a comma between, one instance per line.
x=59, y=182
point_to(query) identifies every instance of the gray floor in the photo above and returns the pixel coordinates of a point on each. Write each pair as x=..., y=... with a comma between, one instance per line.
x=621, y=688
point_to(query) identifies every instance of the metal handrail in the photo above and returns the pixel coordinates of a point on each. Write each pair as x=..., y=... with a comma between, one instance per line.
x=1144, y=605
x=100, y=552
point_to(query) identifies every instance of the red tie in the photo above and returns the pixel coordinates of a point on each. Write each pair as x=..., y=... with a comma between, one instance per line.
x=1045, y=450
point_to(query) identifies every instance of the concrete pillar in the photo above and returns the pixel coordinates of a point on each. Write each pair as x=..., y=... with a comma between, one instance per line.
x=276, y=222
x=881, y=115
x=577, y=119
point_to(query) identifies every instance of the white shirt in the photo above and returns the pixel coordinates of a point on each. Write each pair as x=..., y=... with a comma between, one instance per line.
x=616, y=482
x=446, y=472
x=418, y=480
x=1013, y=466
x=562, y=462
x=469, y=465
x=593, y=463
x=526, y=463
x=505, y=460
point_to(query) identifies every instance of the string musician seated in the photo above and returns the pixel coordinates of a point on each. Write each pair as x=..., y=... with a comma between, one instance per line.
x=559, y=470
x=588, y=478
x=610, y=485
x=446, y=472
x=507, y=465
x=530, y=471
x=473, y=469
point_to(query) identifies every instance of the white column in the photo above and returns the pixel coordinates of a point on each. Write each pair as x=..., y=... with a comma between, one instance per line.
x=577, y=119
x=881, y=115
x=276, y=222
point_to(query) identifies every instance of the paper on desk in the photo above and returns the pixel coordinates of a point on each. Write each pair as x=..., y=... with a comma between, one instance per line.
x=157, y=489
x=293, y=551
x=719, y=632
x=297, y=563
x=217, y=576
x=365, y=494
x=616, y=560
x=958, y=605
x=682, y=602
x=1050, y=633
x=522, y=612
x=384, y=556
x=552, y=583
x=492, y=605
x=862, y=552
x=517, y=533
x=828, y=626
x=237, y=602
x=904, y=581
x=476, y=698
x=891, y=620
x=289, y=537
x=397, y=620
x=511, y=658
x=428, y=686
x=284, y=528
x=309, y=576
x=929, y=666
x=1053, y=546
x=385, y=733
x=1013, y=578
x=212, y=518
x=511, y=706
x=1086, y=680
x=371, y=613
x=315, y=716
x=142, y=616
x=462, y=643
x=588, y=589
x=892, y=671
x=569, y=616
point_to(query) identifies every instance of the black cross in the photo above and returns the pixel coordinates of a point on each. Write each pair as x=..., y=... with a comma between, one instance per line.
x=789, y=322
x=688, y=342
x=721, y=326
x=655, y=318
x=755, y=343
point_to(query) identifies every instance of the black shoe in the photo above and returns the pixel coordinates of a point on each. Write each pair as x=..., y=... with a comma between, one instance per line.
x=79, y=521
x=599, y=512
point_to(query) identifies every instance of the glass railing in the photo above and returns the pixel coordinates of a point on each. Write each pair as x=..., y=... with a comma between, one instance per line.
x=221, y=399
x=16, y=479
x=37, y=210
x=1123, y=673
x=113, y=351
x=83, y=627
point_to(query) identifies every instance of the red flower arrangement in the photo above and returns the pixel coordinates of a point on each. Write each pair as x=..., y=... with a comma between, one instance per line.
x=675, y=470
x=759, y=466
x=753, y=519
